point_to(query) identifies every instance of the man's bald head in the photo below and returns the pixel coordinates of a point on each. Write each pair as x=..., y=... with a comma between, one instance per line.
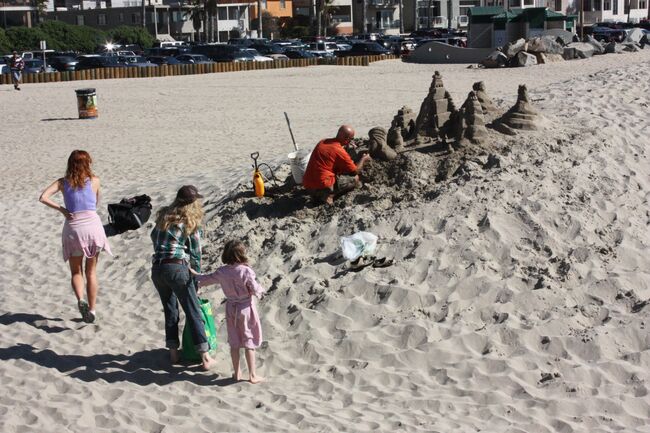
x=345, y=134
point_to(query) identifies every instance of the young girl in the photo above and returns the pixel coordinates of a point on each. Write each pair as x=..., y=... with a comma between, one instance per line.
x=239, y=285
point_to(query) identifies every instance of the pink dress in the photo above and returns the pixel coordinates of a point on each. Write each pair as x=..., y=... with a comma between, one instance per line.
x=242, y=320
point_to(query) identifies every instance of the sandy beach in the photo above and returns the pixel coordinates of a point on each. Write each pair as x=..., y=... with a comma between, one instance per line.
x=517, y=301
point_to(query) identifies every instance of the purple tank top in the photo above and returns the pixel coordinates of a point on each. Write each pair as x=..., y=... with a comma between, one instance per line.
x=80, y=199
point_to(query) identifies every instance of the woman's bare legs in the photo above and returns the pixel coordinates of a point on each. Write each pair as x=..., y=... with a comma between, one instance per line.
x=250, y=361
x=77, y=277
x=234, y=355
x=91, y=281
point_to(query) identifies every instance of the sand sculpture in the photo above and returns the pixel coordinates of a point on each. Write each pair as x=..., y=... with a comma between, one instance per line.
x=405, y=120
x=377, y=145
x=486, y=102
x=471, y=126
x=521, y=116
x=435, y=112
x=395, y=139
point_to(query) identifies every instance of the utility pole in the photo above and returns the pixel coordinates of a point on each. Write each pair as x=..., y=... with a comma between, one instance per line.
x=364, y=11
x=416, y=18
x=259, y=18
x=144, y=14
x=582, y=20
x=401, y=16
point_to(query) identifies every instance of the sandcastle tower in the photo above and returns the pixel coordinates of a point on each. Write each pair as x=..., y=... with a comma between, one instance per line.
x=377, y=145
x=521, y=116
x=472, y=121
x=394, y=138
x=435, y=111
x=405, y=120
x=486, y=102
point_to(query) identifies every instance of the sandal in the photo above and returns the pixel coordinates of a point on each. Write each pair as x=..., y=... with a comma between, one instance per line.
x=382, y=263
x=361, y=262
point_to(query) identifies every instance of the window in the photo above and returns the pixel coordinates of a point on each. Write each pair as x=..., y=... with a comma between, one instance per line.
x=135, y=18
x=222, y=14
x=263, y=4
x=101, y=19
x=558, y=5
x=529, y=2
x=607, y=5
x=120, y=17
x=283, y=4
x=643, y=5
x=596, y=5
x=80, y=20
x=233, y=13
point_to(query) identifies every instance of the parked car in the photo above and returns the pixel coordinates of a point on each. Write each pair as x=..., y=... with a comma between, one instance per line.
x=270, y=50
x=96, y=61
x=247, y=42
x=322, y=49
x=136, y=61
x=193, y=59
x=257, y=57
x=364, y=49
x=63, y=63
x=297, y=53
x=163, y=60
x=36, y=66
x=608, y=34
x=4, y=67
x=223, y=53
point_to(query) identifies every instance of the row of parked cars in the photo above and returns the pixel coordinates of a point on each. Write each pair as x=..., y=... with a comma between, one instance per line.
x=236, y=50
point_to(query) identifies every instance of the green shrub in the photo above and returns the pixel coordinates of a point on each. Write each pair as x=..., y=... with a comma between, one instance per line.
x=25, y=39
x=5, y=43
x=131, y=35
x=67, y=37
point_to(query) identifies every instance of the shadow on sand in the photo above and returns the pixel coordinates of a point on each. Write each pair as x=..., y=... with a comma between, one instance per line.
x=35, y=320
x=142, y=368
x=54, y=119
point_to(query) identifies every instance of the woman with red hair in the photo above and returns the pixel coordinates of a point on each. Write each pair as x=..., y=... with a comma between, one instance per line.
x=83, y=233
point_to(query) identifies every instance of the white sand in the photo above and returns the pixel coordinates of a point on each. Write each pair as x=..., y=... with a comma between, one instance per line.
x=414, y=347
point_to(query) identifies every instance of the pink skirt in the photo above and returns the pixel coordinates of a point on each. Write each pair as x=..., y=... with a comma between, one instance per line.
x=243, y=324
x=84, y=234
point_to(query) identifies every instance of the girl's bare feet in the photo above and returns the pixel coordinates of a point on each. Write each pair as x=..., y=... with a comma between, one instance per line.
x=174, y=356
x=237, y=376
x=207, y=361
x=256, y=379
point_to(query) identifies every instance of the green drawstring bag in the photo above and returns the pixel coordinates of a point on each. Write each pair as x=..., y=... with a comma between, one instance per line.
x=189, y=351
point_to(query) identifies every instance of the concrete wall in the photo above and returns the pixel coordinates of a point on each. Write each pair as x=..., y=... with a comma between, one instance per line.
x=437, y=52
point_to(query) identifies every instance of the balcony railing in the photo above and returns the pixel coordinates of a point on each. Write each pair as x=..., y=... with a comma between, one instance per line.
x=14, y=3
x=382, y=3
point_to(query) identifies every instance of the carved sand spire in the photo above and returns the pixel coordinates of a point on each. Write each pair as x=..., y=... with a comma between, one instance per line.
x=435, y=111
x=473, y=122
x=405, y=120
x=521, y=116
x=486, y=102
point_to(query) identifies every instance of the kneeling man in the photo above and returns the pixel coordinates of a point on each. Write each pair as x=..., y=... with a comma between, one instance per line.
x=330, y=171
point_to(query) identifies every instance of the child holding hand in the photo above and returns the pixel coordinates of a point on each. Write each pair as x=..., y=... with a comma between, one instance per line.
x=239, y=285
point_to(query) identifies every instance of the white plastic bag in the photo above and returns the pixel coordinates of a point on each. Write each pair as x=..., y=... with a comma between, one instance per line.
x=359, y=244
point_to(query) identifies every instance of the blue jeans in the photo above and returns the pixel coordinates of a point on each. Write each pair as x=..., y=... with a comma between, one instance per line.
x=175, y=285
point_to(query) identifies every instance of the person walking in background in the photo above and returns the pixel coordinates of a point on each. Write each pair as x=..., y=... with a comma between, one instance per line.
x=239, y=284
x=16, y=65
x=177, y=249
x=83, y=234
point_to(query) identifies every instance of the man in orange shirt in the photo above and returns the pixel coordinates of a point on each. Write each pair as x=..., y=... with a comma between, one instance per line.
x=330, y=171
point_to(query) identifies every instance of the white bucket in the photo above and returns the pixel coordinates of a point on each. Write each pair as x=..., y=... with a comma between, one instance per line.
x=298, y=161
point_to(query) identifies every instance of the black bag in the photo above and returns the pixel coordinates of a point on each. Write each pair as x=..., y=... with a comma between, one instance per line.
x=129, y=213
